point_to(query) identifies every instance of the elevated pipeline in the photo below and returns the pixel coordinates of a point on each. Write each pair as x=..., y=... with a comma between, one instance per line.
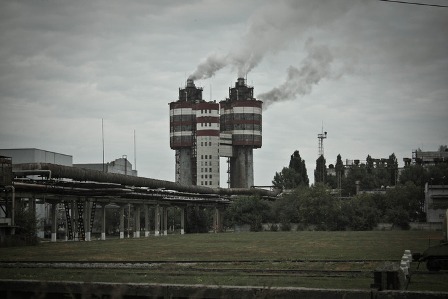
x=82, y=174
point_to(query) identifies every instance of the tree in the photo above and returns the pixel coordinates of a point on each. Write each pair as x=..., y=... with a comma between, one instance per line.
x=406, y=198
x=26, y=222
x=286, y=208
x=197, y=220
x=293, y=176
x=416, y=174
x=317, y=207
x=320, y=173
x=249, y=210
x=358, y=213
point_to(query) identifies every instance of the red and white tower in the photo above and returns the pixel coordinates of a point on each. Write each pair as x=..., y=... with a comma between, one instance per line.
x=241, y=127
x=194, y=134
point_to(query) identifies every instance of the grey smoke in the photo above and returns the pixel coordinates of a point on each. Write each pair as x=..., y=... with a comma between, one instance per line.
x=271, y=29
x=210, y=66
x=300, y=81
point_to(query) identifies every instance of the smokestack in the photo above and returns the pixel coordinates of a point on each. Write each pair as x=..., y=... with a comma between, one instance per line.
x=190, y=82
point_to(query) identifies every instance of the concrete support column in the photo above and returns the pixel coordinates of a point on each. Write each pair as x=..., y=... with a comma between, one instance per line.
x=157, y=221
x=87, y=213
x=146, y=209
x=242, y=167
x=182, y=220
x=103, y=224
x=445, y=225
x=165, y=221
x=217, y=221
x=137, y=221
x=73, y=217
x=122, y=222
x=129, y=220
x=54, y=223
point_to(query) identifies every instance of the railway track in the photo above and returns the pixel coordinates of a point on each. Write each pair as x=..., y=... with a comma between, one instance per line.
x=217, y=267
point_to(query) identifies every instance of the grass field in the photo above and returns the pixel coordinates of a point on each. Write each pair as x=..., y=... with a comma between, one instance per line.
x=266, y=258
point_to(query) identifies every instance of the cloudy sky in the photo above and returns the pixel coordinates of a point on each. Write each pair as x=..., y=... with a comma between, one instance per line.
x=374, y=73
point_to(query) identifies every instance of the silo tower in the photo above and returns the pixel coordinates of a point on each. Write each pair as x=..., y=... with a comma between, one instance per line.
x=241, y=120
x=194, y=135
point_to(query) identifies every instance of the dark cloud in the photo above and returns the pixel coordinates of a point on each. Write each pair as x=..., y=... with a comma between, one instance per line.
x=375, y=73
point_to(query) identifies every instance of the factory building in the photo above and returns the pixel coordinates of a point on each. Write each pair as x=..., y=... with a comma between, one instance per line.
x=34, y=155
x=120, y=166
x=201, y=132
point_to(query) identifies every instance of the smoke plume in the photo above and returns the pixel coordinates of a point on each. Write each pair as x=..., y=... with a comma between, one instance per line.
x=271, y=29
x=300, y=81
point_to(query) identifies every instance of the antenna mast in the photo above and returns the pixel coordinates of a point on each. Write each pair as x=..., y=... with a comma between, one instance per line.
x=321, y=138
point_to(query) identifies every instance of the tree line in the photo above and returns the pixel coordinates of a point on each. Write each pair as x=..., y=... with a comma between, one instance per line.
x=331, y=203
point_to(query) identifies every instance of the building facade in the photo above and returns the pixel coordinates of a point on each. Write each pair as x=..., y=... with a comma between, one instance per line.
x=436, y=202
x=194, y=135
x=34, y=155
x=119, y=166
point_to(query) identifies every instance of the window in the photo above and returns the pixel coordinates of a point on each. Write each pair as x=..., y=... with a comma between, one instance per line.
x=209, y=124
x=210, y=169
x=205, y=163
x=202, y=183
x=206, y=183
x=210, y=156
x=202, y=176
x=210, y=111
x=202, y=156
x=210, y=176
x=210, y=183
x=202, y=143
x=205, y=176
x=210, y=143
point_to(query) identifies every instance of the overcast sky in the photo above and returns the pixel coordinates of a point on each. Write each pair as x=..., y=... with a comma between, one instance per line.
x=374, y=73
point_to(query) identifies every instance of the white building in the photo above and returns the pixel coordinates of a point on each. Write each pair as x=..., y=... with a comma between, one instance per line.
x=34, y=155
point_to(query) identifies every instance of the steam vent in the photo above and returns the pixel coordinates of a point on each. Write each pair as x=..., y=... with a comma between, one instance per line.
x=200, y=135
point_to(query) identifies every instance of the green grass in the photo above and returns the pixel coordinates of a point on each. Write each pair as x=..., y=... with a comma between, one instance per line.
x=282, y=247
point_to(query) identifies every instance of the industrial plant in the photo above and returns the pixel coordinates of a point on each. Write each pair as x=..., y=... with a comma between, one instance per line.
x=201, y=132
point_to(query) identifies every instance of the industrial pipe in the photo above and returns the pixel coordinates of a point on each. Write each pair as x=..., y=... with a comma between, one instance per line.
x=82, y=174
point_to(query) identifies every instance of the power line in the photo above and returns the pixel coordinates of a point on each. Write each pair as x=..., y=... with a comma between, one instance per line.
x=416, y=3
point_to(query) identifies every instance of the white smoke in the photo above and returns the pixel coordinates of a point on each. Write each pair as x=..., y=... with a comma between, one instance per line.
x=272, y=28
x=300, y=81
